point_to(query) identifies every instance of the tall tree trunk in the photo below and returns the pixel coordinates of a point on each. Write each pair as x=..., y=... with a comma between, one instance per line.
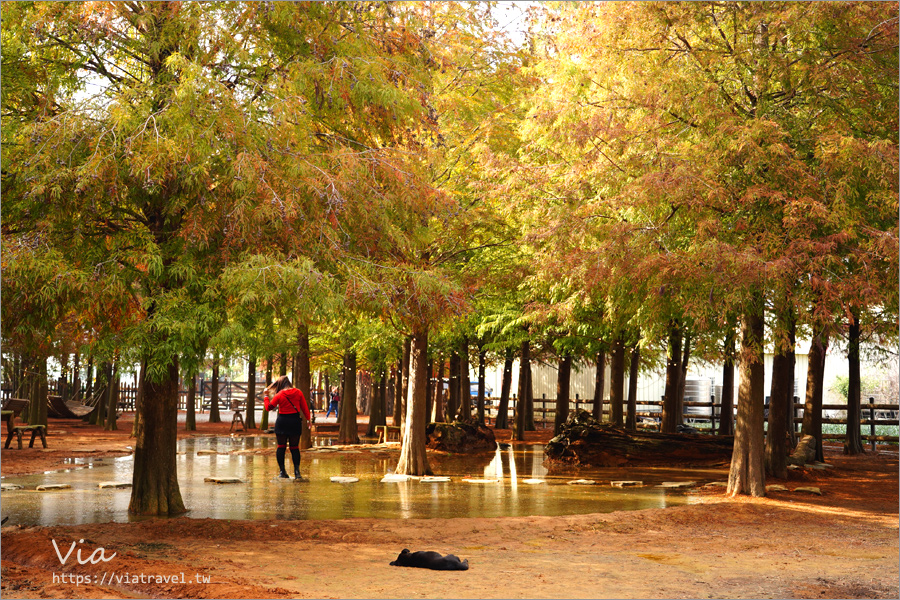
x=190, y=419
x=383, y=397
x=17, y=375
x=617, y=381
x=407, y=344
x=61, y=387
x=264, y=420
x=37, y=405
x=99, y=392
x=438, y=415
x=104, y=375
x=413, y=456
x=349, y=431
x=76, y=377
x=502, y=421
x=89, y=380
x=214, y=393
x=250, y=419
x=429, y=394
x=748, y=473
x=563, y=381
x=453, y=397
x=155, y=490
x=599, y=385
x=518, y=433
x=633, y=370
x=303, y=379
x=815, y=378
x=465, y=384
x=398, y=389
x=378, y=414
x=853, y=442
x=112, y=399
x=480, y=402
x=529, y=401
x=673, y=374
x=139, y=397
x=778, y=444
x=282, y=364
x=316, y=400
x=103, y=405
x=429, y=391
x=22, y=376
x=726, y=418
x=32, y=391
x=682, y=378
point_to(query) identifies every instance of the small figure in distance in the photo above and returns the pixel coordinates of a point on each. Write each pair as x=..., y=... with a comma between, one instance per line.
x=430, y=560
x=333, y=402
x=289, y=425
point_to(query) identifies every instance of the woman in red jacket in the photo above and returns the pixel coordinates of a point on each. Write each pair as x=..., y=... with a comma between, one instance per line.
x=288, y=426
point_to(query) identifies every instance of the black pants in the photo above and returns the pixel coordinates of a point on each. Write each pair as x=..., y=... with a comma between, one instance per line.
x=283, y=441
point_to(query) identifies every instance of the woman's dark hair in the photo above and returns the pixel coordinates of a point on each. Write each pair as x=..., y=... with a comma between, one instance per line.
x=282, y=383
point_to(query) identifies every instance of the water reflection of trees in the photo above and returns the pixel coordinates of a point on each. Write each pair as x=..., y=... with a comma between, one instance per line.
x=262, y=496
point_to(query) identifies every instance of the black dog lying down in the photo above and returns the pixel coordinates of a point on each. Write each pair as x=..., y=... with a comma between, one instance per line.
x=430, y=560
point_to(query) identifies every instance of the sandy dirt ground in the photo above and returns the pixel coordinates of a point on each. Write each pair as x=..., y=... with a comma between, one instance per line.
x=842, y=544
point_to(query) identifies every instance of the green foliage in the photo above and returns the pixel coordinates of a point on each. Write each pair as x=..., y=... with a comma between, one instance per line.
x=841, y=386
x=186, y=176
x=683, y=155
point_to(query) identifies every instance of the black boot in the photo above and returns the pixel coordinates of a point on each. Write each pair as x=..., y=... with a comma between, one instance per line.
x=295, y=458
x=279, y=456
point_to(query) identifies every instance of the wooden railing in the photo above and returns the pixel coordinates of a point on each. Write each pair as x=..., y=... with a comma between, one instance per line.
x=233, y=395
x=649, y=414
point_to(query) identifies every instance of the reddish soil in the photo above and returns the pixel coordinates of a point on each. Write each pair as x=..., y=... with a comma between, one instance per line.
x=843, y=544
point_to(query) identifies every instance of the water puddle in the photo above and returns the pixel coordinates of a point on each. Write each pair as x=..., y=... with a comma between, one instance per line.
x=505, y=483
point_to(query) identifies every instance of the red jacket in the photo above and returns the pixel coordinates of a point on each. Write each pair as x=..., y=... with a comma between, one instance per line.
x=288, y=402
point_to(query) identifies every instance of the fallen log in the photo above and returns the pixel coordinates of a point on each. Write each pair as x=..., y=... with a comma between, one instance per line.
x=587, y=442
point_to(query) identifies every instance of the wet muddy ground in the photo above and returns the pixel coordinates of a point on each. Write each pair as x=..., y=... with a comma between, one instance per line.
x=233, y=478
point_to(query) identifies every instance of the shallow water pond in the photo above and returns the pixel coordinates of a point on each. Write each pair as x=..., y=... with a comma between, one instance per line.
x=523, y=486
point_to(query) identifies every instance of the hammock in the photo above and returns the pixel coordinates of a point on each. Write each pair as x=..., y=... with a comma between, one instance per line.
x=58, y=409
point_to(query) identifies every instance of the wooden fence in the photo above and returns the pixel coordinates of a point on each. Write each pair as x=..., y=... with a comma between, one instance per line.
x=233, y=396
x=649, y=415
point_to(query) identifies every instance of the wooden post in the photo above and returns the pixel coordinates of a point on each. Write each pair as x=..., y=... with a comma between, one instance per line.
x=662, y=404
x=872, y=421
x=797, y=407
x=792, y=414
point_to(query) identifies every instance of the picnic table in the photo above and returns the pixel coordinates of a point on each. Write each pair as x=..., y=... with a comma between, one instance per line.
x=387, y=432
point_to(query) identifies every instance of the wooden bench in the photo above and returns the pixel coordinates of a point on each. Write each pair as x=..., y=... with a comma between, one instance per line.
x=386, y=432
x=320, y=428
x=15, y=406
x=20, y=429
